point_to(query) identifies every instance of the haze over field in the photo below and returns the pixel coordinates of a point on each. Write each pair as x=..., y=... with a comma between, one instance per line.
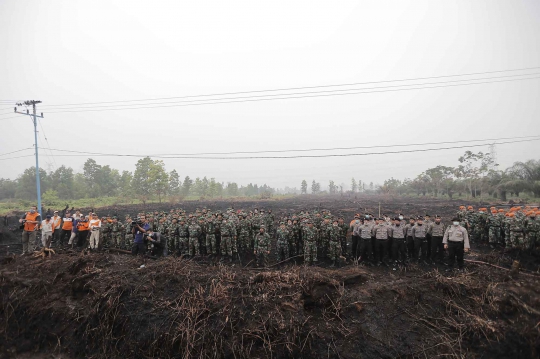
x=75, y=52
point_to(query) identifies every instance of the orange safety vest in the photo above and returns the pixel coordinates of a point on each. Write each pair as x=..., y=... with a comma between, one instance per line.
x=56, y=222
x=83, y=226
x=68, y=225
x=31, y=217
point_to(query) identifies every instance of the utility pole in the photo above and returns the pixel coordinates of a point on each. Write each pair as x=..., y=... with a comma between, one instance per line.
x=34, y=116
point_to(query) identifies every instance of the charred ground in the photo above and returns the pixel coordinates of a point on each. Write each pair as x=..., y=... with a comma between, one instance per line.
x=104, y=306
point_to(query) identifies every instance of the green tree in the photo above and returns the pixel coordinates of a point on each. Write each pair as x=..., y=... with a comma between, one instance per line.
x=142, y=182
x=126, y=189
x=303, y=187
x=62, y=181
x=354, y=185
x=8, y=188
x=186, y=186
x=50, y=198
x=529, y=172
x=232, y=189
x=26, y=184
x=332, y=188
x=108, y=181
x=159, y=179
x=174, y=183
x=91, y=173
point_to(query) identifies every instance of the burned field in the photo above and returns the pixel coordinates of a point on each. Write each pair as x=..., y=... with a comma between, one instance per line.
x=103, y=305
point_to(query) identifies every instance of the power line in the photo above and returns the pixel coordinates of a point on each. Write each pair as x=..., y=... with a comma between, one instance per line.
x=9, y=153
x=293, y=97
x=48, y=145
x=295, y=88
x=12, y=158
x=306, y=150
x=296, y=93
x=288, y=157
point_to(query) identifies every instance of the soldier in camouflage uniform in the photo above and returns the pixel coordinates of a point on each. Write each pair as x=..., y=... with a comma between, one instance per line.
x=202, y=236
x=282, y=245
x=309, y=235
x=172, y=235
x=532, y=228
x=262, y=247
x=515, y=231
x=165, y=239
x=117, y=232
x=105, y=235
x=182, y=246
x=211, y=235
x=324, y=237
x=334, y=244
x=494, y=225
x=195, y=231
x=480, y=228
x=343, y=230
x=228, y=235
x=128, y=239
x=244, y=235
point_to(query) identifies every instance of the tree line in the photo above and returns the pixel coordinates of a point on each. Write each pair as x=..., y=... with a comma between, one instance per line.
x=149, y=180
x=477, y=175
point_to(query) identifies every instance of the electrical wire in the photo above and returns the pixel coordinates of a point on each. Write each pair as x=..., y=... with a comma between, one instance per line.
x=8, y=118
x=298, y=93
x=310, y=149
x=296, y=88
x=296, y=156
x=12, y=158
x=48, y=145
x=293, y=97
x=23, y=149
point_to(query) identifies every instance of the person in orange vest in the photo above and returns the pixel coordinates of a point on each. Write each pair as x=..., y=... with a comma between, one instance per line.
x=67, y=227
x=94, y=225
x=30, y=221
x=83, y=227
x=57, y=226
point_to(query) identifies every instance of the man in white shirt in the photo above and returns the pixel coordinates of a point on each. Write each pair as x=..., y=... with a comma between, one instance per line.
x=95, y=225
x=57, y=226
x=47, y=229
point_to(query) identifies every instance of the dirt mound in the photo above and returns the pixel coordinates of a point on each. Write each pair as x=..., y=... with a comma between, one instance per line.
x=105, y=306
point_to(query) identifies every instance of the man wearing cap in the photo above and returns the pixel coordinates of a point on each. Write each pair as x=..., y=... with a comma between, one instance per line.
x=116, y=232
x=282, y=244
x=95, y=226
x=399, y=242
x=57, y=227
x=30, y=222
x=456, y=241
x=355, y=238
x=409, y=235
x=309, y=235
x=343, y=230
x=67, y=228
x=47, y=228
x=419, y=232
x=493, y=222
x=334, y=244
x=382, y=233
x=244, y=235
x=261, y=248
x=436, y=231
x=228, y=238
x=195, y=231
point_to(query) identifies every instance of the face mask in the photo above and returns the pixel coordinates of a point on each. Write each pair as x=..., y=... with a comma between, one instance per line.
x=32, y=211
x=456, y=223
x=419, y=224
x=335, y=224
x=400, y=218
x=357, y=221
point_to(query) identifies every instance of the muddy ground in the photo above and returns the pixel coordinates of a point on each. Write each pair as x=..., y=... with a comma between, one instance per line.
x=104, y=305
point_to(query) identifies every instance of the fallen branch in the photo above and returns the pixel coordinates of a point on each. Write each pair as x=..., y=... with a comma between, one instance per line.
x=499, y=267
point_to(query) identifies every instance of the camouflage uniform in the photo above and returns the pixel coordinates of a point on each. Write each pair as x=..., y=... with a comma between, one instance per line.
x=494, y=225
x=324, y=238
x=117, y=232
x=244, y=235
x=479, y=231
x=515, y=231
x=194, y=233
x=182, y=246
x=165, y=240
x=309, y=236
x=262, y=248
x=211, y=236
x=334, y=244
x=172, y=237
x=128, y=239
x=343, y=230
x=533, y=231
x=105, y=235
x=227, y=239
x=295, y=240
x=282, y=245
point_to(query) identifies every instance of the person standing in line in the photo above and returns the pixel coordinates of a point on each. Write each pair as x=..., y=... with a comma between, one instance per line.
x=30, y=222
x=456, y=241
x=95, y=226
x=47, y=229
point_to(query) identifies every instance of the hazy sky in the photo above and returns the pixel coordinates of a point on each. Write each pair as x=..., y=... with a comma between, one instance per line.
x=70, y=52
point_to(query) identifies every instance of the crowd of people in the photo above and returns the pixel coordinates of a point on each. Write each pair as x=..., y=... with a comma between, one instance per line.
x=248, y=236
